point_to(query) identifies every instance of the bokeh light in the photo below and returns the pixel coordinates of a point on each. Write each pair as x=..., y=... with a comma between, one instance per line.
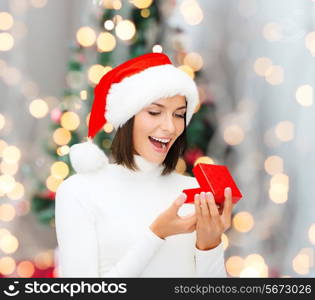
x=9, y=243
x=204, y=160
x=61, y=136
x=96, y=72
x=7, y=265
x=7, y=183
x=11, y=154
x=254, y=266
x=310, y=42
x=117, y=4
x=44, y=260
x=109, y=25
x=234, y=265
x=112, y=4
x=17, y=192
x=3, y=145
x=52, y=183
x=70, y=120
x=304, y=95
x=86, y=36
x=194, y=60
x=243, y=221
x=274, y=75
x=59, y=170
x=311, y=234
x=38, y=108
x=141, y=3
x=106, y=42
x=23, y=207
x=261, y=65
x=273, y=165
x=191, y=12
x=285, y=131
x=83, y=94
x=279, y=188
x=25, y=269
x=117, y=18
x=9, y=168
x=6, y=21
x=6, y=41
x=108, y=128
x=63, y=150
x=2, y=121
x=106, y=143
x=303, y=261
x=125, y=30
x=145, y=13
x=233, y=134
x=7, y=212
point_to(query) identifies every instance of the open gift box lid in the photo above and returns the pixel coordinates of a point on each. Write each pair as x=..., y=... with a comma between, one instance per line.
x=213, y=178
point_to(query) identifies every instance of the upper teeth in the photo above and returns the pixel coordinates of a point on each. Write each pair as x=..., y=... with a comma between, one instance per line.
x=161, y=140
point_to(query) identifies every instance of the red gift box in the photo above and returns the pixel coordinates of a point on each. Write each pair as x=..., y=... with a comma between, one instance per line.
x=213, y=178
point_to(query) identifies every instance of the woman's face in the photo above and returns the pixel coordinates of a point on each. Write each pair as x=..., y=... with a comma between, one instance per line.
x=157, y=126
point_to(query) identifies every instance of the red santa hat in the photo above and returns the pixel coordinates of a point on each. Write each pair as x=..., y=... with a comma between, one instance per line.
x=123, y=92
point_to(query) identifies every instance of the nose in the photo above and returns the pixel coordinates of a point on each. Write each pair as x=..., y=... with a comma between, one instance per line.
x=168, y=125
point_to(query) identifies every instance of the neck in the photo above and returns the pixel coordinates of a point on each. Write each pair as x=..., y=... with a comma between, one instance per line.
x=146, y=166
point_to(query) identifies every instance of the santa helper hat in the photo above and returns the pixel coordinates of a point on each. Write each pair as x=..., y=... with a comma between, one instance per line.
x=123, y=92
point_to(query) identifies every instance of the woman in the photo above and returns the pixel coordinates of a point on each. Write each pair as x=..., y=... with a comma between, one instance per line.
x=128, y=218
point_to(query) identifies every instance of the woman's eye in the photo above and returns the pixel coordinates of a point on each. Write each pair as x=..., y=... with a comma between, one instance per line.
x=153, y=113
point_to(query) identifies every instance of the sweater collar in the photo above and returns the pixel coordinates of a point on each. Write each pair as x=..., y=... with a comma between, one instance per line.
x=146, y=166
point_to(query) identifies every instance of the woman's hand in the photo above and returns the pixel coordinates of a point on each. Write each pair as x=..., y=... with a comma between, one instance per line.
x=170, y=223
x=210, y=223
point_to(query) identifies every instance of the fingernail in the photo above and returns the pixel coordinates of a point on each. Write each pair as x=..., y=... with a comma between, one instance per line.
x=197, y=198
x=228, y=190
x=182, y=199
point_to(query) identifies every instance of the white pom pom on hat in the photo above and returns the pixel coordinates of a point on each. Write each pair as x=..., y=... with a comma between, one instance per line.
x=123, y=92
x=86, y=157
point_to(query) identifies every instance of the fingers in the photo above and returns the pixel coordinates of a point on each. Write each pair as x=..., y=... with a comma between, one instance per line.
x=228, y=205
x=175, y=206
x=197, y=206
x=212, y=205
x=204, y=206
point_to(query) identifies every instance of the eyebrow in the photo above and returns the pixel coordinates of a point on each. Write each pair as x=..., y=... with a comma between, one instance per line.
x=160, y=105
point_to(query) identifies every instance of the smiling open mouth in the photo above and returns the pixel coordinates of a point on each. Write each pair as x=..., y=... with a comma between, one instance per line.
x=160, y=144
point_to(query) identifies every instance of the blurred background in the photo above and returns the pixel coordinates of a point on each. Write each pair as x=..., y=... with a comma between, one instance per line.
x=253, y=61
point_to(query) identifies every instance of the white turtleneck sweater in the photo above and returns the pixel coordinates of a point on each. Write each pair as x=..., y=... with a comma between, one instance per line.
x=102, y=225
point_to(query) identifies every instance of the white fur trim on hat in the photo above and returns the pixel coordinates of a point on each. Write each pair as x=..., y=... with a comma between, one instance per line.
x=87, y=157
x=126, y=98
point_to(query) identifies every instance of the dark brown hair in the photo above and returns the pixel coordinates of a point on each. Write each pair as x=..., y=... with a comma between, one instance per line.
x=122, y=148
